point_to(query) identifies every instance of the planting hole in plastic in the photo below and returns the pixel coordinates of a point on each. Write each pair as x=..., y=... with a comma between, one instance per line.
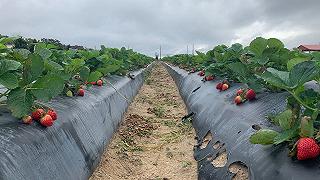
x=220, y=160
x=256, y=127
x=240, y=171
x=206, y=140
x=218, y=145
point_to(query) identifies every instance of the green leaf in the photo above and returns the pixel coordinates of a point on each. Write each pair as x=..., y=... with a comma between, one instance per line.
x=302, y=73
x=275, y=43
x=285, y=119
x=84, y=73
x=258, y=45
x=8, y=65
x=239, y=69
x=37, y=66
x=286, y=136
x=48, y=87
x=43, y=52
x=264, y=137
x=306, y=126
x=9, y=80
x=94, y=76
x=52, y=66
x=277, y=78
x=295, y=61
x=19, y=102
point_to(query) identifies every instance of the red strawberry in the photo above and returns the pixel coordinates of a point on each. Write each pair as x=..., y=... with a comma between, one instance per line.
x=201, y=73
x=250, y=95
x=219, y=86
x=193, y=70
x=37, y=114
x=46, y=120
x=209, y=78
x=80, y=92
x=99, y=82
x=52, y=113
x=93, y=83
x=27, y=119
x=307, y=148
x=225, y=87
x=238, y=100
x=239, y=92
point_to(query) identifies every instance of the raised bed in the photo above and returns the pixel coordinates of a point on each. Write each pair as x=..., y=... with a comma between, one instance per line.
x=232, y=126
x=71, y=149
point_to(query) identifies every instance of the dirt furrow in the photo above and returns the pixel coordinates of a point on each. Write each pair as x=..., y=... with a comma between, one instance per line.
x=152, y=142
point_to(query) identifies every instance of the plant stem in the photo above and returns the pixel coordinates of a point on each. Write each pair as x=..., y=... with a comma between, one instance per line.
x=301, y=102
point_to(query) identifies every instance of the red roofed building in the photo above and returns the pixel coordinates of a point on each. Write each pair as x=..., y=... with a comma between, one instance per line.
x=309, y=47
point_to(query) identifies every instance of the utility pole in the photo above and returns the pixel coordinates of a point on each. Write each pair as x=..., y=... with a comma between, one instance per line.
x=187, y=49
x=193, y=49
x=160, y=52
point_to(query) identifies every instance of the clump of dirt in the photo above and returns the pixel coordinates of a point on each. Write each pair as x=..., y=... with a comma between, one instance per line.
x=152, y=142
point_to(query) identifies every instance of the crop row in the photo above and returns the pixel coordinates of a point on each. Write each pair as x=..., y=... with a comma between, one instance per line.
x=33, y=72
x=267, y=66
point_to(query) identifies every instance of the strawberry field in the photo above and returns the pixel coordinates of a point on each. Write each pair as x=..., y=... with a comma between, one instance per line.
x=254, y=108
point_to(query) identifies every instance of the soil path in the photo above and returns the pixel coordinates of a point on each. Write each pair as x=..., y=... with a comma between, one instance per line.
x=152, y=142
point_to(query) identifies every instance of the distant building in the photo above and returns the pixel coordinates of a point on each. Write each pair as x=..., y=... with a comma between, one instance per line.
x=309, y=47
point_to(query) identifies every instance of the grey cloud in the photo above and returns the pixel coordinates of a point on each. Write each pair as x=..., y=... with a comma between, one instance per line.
x=145, y=24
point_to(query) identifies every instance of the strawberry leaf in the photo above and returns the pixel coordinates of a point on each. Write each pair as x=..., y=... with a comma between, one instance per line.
x=285, y=119
x=286, y=136
x=9, y=80
x=258, y=45
x=264, y=137
x=94, y=76
x=8, y=65
x=291, y=63
x=48, y=87
x=302, y=73
x=84, y=73
x=19, y=102
x=277, y=78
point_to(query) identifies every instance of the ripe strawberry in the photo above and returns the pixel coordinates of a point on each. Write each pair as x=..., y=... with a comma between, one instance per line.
x=93, y=83
x=307, y=148
x=219, y=86
x=239, y=92
x=250, y=95
x=209, y=78
x=37, y=114
x=238, y=100
x=27, y=119
x=225, y=87
x=46, y=120
x=53, y=114
x=80, y=92
x=99, y=82
x=201, y=73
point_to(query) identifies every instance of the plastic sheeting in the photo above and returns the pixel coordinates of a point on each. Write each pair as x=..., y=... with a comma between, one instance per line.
x=71, y=149
x=231, y=125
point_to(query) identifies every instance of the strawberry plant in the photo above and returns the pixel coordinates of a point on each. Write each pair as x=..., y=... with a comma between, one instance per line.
x=36, y=71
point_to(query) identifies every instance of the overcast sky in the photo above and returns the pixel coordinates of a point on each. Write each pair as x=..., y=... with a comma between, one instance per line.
x=145, y=24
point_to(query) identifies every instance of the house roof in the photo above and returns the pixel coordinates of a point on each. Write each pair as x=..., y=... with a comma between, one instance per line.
x=309, y=47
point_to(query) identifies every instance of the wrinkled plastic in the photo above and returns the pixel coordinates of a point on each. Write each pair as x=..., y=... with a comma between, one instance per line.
x=231, y=125
x=72, y=147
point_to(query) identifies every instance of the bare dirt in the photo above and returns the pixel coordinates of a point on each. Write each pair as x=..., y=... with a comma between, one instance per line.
x=152, y=142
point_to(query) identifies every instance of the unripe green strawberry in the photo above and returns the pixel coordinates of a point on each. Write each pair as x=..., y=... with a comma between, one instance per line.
x=53, y=114
x=307, y=148
x=46, y=121
x=37, y=114
x=80, y=92
x=99, y=82
x=27, y=119
x=69, y=93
